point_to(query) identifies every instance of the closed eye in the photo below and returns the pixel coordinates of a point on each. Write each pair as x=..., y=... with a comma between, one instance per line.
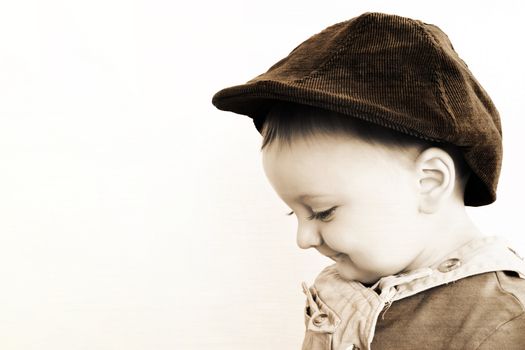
x=323, y=215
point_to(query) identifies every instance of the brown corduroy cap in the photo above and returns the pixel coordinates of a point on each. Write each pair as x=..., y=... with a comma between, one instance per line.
x=393, y=71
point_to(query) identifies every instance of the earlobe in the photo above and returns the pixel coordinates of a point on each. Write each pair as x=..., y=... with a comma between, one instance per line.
x=436, y=177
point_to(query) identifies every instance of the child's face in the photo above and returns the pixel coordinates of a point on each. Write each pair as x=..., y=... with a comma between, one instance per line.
x=375, y=228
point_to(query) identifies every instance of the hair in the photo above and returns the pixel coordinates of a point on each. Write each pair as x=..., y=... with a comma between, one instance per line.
x=287, y=121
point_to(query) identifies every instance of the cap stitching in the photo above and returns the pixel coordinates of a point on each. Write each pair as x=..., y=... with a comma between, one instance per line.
x=307, y=100
x=343, y=44
x=436, y=75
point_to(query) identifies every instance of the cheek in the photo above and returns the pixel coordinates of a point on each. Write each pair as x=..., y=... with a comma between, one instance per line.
x=387, y=230
x=381, y=220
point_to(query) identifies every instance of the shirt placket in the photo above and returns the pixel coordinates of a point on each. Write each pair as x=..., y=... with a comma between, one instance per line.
x=346, y=315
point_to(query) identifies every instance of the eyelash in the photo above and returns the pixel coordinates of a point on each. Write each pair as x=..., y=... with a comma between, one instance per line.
x=321, y=215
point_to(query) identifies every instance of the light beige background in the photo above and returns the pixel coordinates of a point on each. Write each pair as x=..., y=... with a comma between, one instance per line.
x=133, y=214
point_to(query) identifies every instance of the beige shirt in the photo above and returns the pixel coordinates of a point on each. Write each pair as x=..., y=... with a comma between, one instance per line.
x=343, y=315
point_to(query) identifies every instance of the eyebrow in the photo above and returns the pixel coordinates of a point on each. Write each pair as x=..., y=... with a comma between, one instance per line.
x=306, y=197
x=311, y=196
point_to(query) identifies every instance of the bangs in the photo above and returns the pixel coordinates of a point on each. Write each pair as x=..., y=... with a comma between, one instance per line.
x=287, y=121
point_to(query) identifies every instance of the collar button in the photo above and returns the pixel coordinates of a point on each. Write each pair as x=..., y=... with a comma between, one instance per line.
x=449, y=265
x=320, y=319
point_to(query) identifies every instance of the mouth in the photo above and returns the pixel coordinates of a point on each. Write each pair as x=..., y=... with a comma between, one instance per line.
x=335, y=256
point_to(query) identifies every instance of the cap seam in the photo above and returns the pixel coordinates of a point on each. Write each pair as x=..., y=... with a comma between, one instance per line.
x=343, y=44
x=437, y=77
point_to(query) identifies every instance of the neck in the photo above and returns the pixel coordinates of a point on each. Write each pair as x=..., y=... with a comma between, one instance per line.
x=451, y=229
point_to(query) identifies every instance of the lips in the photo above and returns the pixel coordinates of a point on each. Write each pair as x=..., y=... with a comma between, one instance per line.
x=334, y=257
x=330, y=253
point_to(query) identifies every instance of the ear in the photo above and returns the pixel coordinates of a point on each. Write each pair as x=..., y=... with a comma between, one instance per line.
x=435, y=178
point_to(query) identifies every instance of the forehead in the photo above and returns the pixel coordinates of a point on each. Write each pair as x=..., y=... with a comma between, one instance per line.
x=321, y=161
x=324, y=165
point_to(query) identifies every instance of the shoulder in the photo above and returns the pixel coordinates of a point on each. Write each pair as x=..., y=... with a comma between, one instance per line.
x=509, y=333
x=511, y=285
x=475, y=312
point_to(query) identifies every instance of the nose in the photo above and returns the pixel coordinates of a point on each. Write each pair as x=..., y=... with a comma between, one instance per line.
x=308, y=236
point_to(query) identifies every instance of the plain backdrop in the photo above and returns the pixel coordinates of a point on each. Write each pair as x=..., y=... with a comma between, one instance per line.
x=133, y=214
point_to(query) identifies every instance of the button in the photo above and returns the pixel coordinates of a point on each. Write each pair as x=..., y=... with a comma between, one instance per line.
x=449, y=265
x=320, y=319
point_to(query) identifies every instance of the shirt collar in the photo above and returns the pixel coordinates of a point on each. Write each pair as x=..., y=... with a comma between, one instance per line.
x=481, y=255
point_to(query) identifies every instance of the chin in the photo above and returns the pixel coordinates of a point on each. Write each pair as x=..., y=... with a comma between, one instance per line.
x=350, y=271
x=370, y=281
x=362, y=277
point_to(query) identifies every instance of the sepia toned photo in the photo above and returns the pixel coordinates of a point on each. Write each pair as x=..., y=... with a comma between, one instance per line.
x=233, y=175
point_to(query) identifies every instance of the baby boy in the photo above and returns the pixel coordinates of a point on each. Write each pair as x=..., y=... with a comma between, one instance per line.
x=377, y=135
